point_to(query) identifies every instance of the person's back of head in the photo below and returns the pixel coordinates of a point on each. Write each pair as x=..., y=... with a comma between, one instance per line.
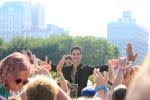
x=119, y=93
x=140, y=86
x=41, y=88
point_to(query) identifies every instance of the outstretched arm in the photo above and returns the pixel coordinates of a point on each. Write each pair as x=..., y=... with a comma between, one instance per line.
x=90, y=68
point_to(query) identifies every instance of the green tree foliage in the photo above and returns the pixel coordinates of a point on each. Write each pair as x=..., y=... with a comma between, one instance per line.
x=95, y=50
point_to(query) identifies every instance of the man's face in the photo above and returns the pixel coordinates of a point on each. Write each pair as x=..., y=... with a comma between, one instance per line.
x=76, y=55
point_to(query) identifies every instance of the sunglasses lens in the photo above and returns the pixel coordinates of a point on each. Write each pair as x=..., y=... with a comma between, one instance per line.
x=25, y=82
x=18, y=81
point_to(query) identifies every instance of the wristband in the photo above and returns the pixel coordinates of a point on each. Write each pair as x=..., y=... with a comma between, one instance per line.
x=59, y=74
x=61, y=78
x=102, y=87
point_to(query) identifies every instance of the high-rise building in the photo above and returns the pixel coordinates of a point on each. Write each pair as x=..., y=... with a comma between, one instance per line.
x=38, y=17
x=25, y=20
x=125, y=30
x=54, y=29
x=15, y=18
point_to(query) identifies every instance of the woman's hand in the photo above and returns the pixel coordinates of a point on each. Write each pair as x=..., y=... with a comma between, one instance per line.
x=130, y=55
x=60, y=65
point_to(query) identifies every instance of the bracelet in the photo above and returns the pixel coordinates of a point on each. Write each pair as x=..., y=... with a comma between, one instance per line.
x=61, y=77
x=59, y=74
x=102, y=87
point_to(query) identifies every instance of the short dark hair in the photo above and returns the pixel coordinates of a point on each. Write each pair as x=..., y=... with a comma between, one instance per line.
x=119, y=93
x=68, y=57
x=76, y=48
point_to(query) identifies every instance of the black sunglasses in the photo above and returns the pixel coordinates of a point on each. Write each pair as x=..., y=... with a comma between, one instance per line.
x=18, y=81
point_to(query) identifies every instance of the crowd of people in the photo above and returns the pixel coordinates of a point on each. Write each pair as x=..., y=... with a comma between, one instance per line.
x=23, y=76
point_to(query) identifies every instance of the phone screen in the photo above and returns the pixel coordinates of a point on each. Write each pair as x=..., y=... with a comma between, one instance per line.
x=73, y=90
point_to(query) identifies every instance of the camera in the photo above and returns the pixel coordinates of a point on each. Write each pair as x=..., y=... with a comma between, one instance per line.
x=103, y=68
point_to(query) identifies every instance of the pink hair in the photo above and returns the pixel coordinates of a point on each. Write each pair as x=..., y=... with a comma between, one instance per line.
x=12, y=64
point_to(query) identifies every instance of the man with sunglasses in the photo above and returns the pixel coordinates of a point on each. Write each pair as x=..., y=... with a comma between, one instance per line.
x=78, y=73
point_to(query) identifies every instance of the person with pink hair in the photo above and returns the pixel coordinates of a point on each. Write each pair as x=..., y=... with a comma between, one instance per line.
x=14, y=73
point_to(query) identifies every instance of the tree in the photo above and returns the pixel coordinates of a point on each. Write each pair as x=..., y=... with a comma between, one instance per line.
x=95, y=50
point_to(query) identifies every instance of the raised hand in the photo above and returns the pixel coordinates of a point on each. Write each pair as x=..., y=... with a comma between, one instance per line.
x=46, y=64
x=122, y=62
x=60, y=64
x=113, y=64
x=40, y=70
x=128, y=74
x=119, y=77
x=99, y=78
x=130, y=55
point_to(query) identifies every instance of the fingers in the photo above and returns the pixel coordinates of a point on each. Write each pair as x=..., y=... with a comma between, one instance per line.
x=50, y=62
x=135, y=56
x=62, y=59
x=122, y=62
x=64, y=56
x=97, y=74
x=46, y=58
x=60, y=64
x=40, y=70
x=128, y=71
x=130, y=54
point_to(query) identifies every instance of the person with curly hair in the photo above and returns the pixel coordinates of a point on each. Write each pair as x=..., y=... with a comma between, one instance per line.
x=14, y=73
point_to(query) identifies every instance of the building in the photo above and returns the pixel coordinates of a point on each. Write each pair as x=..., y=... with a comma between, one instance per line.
x=54, y=29
x=38, y=17
x=125, y=30
x=25, y=20
x=15, y=17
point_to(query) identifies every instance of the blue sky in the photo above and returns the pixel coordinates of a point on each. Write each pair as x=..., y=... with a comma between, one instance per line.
x=90, y=17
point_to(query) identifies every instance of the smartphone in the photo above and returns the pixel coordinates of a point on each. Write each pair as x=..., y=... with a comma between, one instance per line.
x=103, y=68
x=73, y=90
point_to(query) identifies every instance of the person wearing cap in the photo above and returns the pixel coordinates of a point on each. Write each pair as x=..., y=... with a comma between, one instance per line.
x=88, y=92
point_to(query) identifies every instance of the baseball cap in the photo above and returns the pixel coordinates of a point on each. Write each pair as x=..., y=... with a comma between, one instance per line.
x=88, y=92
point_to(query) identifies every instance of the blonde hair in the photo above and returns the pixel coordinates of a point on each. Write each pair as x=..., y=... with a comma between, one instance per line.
x=41, y=87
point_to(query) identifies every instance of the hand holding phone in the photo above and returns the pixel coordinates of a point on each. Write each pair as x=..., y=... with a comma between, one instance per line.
x=73, y=90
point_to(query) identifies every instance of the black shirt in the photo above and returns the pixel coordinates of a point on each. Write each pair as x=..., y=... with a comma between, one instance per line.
x=82, y=74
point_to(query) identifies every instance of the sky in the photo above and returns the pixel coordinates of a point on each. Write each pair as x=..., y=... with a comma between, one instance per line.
x=90, y=17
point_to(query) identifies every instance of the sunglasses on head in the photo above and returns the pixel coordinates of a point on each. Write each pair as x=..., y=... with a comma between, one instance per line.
x=18, y=81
